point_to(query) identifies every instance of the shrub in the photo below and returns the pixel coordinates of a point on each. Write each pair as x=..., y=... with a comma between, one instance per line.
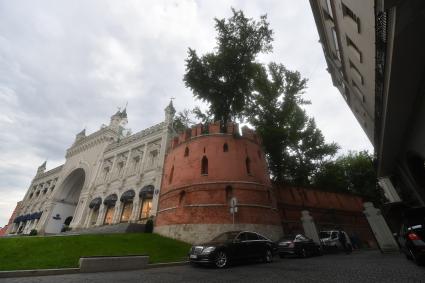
x=33, y=232
x=149, y=226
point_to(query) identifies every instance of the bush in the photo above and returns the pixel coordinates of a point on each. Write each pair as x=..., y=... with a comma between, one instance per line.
x=33, y=232
x=149, y=226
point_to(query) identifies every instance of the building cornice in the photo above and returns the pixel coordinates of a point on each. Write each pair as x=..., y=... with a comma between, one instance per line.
x=144, y=133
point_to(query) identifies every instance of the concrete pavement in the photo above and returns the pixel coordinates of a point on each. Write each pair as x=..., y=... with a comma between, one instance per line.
x=364, y=266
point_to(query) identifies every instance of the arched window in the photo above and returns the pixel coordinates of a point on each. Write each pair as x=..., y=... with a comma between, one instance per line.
x=225, y=147
x=204, y=166
x=186, y=151
x=171, y=175
x=248, y=165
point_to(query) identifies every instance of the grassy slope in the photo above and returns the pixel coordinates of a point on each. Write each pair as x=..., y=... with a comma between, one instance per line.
x=58, y=252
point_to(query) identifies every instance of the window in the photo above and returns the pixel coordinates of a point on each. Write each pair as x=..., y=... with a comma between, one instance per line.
x=248, y=165
x=335, y=38
x=109, y=215
x=243, y=236
x=31, y=195
x=120, y=168
x=105, y=172
x=252, y=237
x=329, y=9
x=94, y=216
x=354, y=49
x=204, y=166
x=171, y=175
x=136, y=161
x=146, y=208
x=358, y=92
x=225, y=147
x=126, y=211
x=186, y=152
x=347, y=12
x=356, y=73
x=153, y=156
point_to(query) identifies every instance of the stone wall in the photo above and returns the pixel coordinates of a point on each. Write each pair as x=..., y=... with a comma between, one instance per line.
x=201, y=233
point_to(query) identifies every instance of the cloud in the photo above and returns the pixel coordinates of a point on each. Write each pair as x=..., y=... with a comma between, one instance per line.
x=68, y=65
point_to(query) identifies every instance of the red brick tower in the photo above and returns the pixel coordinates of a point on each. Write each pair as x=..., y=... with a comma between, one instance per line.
x=203, y=170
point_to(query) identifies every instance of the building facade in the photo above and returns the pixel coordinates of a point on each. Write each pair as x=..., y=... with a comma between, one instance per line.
x=108, y=177
x=205, y=170
x=347, y=37
x=374, y=53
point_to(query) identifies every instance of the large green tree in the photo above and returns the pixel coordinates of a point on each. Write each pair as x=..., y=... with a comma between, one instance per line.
x=295, y=147
x=352, y=173
x=224, y=78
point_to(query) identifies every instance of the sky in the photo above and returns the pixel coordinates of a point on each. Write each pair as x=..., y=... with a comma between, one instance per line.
x=68, y=65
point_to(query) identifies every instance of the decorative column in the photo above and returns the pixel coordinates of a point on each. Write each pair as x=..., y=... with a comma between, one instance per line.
x=88, y=219
x=380, y=229
x=101, y=216
x=309, y=226
x=117, y=212
x=136, y=208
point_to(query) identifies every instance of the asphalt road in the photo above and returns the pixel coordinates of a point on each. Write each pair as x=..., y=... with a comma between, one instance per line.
x=365, y=266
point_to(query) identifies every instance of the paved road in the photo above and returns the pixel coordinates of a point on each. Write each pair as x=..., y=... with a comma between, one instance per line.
x=365, y=266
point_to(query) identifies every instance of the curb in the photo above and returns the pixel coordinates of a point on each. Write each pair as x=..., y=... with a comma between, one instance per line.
x=38, y=272
x=64, y=271
x=167, y=264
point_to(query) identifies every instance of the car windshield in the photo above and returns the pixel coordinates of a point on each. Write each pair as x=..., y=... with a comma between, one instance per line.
x=228, y=236
x=324, y=235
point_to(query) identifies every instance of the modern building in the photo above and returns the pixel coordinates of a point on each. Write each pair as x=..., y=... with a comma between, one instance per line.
x=374, y=53
x=108, y=177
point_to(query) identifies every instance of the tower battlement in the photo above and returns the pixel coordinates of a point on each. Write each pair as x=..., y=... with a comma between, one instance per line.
x=215, y=128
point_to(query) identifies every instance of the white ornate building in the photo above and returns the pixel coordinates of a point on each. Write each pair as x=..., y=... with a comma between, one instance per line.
x=107, y=178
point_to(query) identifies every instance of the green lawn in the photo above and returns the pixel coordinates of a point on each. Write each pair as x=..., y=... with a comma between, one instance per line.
x=64, y=251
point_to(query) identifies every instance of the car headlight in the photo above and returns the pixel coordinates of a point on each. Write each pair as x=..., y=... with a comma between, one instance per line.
x=208, y=250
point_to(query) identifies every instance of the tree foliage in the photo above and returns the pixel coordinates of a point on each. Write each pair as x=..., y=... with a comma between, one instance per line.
x=295, y=147
x=187, y=118
x=352, y=173
x=224, y=78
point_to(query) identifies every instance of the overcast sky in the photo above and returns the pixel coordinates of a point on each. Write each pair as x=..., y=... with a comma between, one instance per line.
x=66, y=65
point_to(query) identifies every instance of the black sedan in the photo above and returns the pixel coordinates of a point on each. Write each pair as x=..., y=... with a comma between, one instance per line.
x=412, y=235
x=233, y=246
x=298, y=245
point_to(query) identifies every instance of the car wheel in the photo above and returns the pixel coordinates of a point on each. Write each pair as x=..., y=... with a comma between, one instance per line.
x=221, y=260
x=268, y=257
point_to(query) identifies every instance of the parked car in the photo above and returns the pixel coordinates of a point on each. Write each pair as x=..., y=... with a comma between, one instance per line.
x=298, y=245
x=331, y=241
x=233, y=246
x=412, y=235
